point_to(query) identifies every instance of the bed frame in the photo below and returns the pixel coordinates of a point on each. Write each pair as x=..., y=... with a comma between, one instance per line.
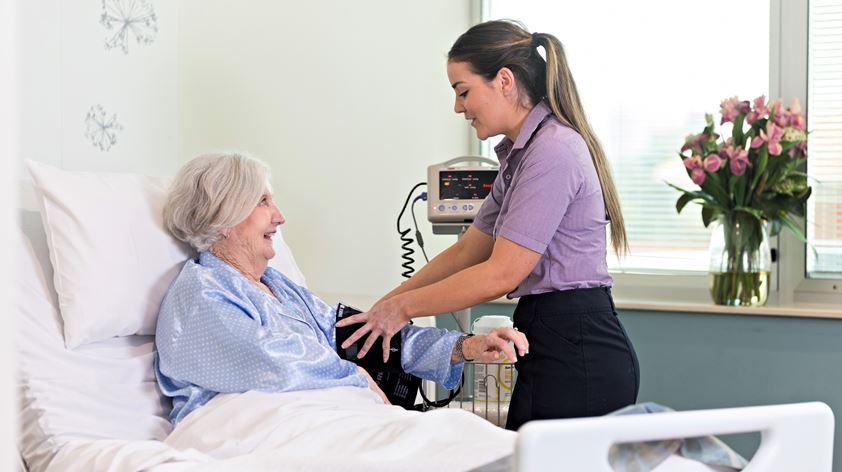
x=793, y=437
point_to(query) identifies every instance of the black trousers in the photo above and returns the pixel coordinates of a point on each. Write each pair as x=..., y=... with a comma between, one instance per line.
x=580, y=361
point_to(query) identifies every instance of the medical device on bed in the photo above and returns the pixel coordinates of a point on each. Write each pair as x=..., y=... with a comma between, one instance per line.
x=400, y=387
x=456, y=190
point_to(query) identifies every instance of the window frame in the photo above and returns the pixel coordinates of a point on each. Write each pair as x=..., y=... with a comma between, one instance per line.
x=788, y=56
x=789, y=78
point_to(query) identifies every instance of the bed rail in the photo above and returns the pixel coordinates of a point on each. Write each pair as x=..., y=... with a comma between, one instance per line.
x=795, y=436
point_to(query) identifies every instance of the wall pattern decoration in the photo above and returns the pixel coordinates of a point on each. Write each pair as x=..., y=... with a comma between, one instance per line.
x=100, y=129
x=128, y=18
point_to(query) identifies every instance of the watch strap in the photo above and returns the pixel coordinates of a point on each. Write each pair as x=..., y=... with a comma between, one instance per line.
x=460, y=355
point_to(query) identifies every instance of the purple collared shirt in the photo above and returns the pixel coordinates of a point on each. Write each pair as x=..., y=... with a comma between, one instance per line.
x=547, y=198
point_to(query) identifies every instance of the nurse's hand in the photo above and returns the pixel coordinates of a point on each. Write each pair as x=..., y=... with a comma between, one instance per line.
x=487, y=348
x=384, y=319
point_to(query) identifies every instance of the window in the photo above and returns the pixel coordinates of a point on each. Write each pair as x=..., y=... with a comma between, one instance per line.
x=824, y=118
x=645, y=93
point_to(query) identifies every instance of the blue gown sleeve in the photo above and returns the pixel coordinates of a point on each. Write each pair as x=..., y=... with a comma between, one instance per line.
x=426, y=353
x=322, y=313
x=218, y=344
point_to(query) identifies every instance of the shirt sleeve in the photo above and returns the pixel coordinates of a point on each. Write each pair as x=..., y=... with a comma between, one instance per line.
x=216, y=343
x=547, y=182
x=426, y=353
x=323, y=314
x=490, y=209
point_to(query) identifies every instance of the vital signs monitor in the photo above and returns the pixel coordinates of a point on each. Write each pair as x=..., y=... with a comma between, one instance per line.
x=455, y=192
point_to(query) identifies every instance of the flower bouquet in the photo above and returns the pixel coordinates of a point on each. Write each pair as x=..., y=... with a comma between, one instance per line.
x=749, y=181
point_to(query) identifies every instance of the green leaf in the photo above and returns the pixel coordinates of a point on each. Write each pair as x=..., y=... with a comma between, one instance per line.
x=793, y=227
x=737, y=133
x=684, y=200
x=796, y=231
x=713, y=186
x=760, y=166
x=688, y=196
x=779, y=168
x=774, y=226
x=785, y=147
x=805, y=194
x=740, y=190
x=709, y=214
x=754, y=212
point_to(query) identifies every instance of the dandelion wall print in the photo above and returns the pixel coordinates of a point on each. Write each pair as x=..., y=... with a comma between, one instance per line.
x=128, y=18
x=102, y=131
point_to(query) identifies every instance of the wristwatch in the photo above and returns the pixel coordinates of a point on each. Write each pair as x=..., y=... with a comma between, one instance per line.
x=459, y=354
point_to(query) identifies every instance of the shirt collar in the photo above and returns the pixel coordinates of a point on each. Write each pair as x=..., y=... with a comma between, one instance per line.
x=530, y=124
x=208, y=259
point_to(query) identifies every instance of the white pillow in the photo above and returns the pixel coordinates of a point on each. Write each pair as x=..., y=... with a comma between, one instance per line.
x=112, y=259
x=100, y=390
x=284, y=262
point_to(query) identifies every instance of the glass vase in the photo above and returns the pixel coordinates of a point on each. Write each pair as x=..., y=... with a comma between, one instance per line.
x=740, y=261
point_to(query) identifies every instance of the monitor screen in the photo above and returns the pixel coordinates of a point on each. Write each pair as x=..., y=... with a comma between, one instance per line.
x=466, y=184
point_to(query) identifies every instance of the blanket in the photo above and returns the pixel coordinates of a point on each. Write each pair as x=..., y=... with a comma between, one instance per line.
x=344, y=428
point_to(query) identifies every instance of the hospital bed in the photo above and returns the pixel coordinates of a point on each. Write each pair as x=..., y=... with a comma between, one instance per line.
x=96, y=406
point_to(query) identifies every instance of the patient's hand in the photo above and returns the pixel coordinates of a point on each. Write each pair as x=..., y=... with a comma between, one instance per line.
x=373, y=386
x=487, y=347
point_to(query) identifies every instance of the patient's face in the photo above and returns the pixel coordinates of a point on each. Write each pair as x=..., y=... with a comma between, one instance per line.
x=252, y=238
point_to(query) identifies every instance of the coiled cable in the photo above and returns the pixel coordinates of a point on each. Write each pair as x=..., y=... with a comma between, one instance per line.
x=406, y=242
x=408, y=261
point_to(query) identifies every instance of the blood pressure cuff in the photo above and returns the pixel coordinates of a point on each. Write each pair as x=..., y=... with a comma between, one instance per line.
x=400, y=387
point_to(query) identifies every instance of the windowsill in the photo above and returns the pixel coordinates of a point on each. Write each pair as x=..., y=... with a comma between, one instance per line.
x=626, y=303
x=799, y=310
x=809, y=310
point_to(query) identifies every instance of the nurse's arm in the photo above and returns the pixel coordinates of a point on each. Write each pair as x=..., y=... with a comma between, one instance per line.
x=472, y=248
x=502, y=272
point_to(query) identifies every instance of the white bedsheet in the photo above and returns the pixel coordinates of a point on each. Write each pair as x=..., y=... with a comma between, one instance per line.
x=337, y=429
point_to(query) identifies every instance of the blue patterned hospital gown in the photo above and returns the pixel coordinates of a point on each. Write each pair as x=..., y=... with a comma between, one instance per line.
x=219, y=333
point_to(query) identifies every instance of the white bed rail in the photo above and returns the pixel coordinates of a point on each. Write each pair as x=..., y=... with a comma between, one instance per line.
x=796, y=436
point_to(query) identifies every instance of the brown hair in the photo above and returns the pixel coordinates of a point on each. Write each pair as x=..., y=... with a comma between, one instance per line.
x=490, y=46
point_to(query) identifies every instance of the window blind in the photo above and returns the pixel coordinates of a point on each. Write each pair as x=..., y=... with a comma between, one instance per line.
x=824, y=120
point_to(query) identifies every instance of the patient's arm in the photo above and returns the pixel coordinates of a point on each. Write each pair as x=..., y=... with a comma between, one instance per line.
x=217, y=340
x=488, y=348
x=429, y=353
x=426, y=352
x=374, y=387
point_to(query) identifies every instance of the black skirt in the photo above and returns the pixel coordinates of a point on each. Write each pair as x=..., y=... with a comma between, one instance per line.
x=580, y=362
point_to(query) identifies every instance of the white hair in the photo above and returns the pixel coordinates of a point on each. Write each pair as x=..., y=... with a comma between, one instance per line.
x=211, y=193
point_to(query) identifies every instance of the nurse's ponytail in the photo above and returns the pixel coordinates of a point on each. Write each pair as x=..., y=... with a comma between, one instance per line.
x=490, y=46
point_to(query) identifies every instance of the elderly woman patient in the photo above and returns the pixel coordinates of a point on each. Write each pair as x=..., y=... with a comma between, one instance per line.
x=229, y=323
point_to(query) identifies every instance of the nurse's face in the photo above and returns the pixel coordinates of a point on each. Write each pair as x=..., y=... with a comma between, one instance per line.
x=483, y=102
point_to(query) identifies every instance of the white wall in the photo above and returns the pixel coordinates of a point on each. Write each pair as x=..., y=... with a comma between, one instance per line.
x=66, y=70
x=348, y=101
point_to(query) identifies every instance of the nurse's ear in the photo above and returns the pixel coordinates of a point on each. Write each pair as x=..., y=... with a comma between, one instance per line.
x=506, y=80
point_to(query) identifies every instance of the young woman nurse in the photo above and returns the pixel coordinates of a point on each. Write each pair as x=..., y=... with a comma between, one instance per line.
x=539, y=237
